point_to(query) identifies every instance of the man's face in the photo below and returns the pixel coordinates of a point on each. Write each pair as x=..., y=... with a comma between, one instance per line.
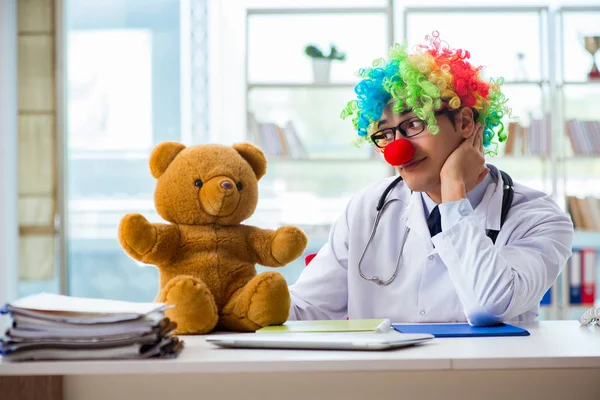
x=422, y=173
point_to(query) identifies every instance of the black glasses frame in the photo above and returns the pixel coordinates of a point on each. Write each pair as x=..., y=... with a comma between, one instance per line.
x=398, y=128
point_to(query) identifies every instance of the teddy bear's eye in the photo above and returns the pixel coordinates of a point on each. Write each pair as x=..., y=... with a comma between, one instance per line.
x=198, y=183
x=239, y=186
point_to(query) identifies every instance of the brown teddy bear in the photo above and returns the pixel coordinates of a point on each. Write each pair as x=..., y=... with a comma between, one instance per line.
x=206, y=258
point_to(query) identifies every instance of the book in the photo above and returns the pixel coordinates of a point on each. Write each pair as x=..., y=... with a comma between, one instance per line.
x=547, y=298
x=352, y=325
x=56, y=327
x=574, y=275
x=588, y=276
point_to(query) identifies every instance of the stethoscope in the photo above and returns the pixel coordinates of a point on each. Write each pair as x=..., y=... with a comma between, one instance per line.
x=382, y=204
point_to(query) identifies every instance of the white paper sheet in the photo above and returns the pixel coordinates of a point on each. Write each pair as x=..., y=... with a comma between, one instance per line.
x=60, y=303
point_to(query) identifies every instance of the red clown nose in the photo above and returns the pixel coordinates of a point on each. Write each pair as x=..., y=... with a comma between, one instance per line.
x=399, y=152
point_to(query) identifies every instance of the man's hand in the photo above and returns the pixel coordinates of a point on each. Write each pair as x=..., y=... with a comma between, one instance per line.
x=464, y=168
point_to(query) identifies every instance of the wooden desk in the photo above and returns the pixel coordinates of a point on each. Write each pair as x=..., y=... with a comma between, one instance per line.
x=560, y=360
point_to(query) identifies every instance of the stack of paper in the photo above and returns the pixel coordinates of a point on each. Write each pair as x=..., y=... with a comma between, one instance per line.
x=55, y=327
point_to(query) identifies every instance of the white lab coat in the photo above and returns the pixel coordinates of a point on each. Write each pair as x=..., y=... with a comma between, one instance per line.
x=464, y=278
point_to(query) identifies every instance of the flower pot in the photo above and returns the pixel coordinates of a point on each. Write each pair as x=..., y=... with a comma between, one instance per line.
x=321, y=70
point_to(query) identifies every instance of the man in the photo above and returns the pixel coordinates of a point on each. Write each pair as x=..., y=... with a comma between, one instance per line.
x=424, y=250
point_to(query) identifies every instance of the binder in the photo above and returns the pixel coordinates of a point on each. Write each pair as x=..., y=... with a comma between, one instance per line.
x=461, y=330
x=547, y=299
x=588, y=274
x=575, y=278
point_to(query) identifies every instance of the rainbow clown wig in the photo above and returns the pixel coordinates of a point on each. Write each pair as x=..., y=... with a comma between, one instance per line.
x=433, y=78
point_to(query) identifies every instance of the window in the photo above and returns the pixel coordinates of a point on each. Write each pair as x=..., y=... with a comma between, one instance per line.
x=133, y=68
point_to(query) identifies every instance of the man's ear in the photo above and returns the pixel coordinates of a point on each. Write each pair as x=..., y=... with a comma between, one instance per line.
x=465, y=122
x=254, y=156
x=162, y=156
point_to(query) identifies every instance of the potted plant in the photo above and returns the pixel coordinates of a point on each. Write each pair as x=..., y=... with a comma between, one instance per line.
x=321, y=62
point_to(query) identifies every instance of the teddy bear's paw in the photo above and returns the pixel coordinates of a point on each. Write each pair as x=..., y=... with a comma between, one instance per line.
x=288, y=244
x=195, y=310
x=136, y=235
x=265, y=300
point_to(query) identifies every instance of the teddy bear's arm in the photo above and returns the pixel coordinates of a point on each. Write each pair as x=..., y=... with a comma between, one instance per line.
x=146, y=242
x=277, y=248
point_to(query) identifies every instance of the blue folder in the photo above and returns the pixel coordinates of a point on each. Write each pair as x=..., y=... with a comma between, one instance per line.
x=462, y=330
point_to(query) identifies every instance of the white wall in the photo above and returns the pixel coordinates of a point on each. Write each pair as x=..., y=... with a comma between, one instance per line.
x=9, y=230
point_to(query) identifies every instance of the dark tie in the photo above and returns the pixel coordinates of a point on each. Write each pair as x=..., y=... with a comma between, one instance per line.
x=434, y=222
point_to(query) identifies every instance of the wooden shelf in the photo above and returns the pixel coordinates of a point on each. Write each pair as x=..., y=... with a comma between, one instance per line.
x=517, y=157
x=473, y=9
x=312, y=85
x=319, y=10
x=589, y=8
x=586, y=239
x=581, y=157
x=321, y=160
x=537, y=83
x=575, y=83
x=579, y=307
x=301, y=85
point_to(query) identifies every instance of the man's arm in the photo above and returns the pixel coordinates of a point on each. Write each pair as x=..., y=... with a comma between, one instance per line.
x=321, y=291
x=499, y=284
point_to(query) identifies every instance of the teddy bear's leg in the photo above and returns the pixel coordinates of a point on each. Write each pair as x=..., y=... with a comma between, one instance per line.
x=195, y=310
x=265, y=300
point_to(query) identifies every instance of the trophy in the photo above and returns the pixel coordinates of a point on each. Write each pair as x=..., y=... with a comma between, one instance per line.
x=592, y=44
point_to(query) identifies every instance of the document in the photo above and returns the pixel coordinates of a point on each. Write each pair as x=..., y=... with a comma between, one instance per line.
x=55, y=327
x=353, y=325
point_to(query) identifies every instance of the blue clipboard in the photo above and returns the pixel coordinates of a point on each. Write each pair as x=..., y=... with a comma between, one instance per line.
x=461, y=330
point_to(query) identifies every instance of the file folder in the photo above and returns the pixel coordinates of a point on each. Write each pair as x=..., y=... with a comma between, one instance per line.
x=461, y=330
x=353, y=325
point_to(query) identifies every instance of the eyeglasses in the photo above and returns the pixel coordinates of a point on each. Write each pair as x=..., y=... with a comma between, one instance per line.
x=408, y=128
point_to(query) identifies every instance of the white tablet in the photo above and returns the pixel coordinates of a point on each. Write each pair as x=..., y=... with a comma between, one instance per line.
x=319, y=341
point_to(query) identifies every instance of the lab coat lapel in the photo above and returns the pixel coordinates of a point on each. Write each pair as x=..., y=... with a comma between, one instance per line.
x=489, y=211
x=415, y=219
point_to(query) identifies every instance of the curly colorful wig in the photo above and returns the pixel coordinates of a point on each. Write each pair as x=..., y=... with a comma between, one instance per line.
x=433, y=78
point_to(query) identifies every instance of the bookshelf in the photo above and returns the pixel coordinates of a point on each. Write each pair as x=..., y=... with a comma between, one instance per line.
x=544, y=91
x=524, y=60
x=528, y=78
x=541, y=153
x=578, y=135
x=295, y=118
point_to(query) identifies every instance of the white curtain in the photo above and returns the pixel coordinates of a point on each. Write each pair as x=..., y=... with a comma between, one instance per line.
x=37, y=139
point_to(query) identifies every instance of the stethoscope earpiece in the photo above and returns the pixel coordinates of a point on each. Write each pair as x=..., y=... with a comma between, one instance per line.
x=591, y=315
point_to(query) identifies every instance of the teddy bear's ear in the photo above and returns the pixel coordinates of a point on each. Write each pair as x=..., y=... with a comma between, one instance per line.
x=254, y=156
x=162, y=156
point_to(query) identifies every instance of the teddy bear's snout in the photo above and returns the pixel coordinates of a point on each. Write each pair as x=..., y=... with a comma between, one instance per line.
x=219, y=196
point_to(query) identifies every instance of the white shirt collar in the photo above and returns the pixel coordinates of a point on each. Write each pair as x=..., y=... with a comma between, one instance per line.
x=475, y=195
